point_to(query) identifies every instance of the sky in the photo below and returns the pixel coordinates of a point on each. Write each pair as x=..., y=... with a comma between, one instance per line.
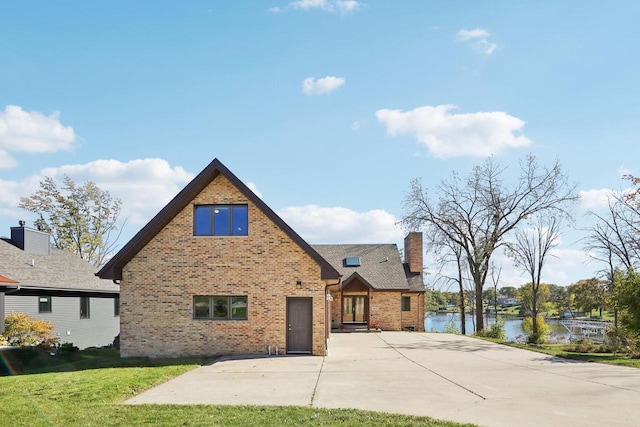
x=327, y=109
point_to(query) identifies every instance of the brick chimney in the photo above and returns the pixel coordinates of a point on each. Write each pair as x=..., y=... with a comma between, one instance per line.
x=413, y=251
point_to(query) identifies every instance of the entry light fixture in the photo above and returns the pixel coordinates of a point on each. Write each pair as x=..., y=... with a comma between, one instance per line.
x=298, y=284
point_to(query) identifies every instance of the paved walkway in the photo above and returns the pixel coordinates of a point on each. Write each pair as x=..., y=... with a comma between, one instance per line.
x=443, y=376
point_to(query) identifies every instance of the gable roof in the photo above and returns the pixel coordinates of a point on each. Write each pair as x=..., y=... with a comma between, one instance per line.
x=113, y=268
x=59, y=272
x=380, y=266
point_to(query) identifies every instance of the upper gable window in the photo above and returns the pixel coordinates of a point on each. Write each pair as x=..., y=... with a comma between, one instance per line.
x=220, y=220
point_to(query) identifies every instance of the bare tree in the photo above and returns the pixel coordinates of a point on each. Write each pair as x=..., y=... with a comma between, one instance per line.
x=614, y=240
x=529, y=251
x=477, y=213
x=446, y=253
x=495, y=279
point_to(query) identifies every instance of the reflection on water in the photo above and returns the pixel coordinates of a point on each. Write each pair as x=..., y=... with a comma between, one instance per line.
x=438, y=322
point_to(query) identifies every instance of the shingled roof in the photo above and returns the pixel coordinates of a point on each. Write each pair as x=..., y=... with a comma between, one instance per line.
x=59, y=272
x=113, y=268
x=380, y=266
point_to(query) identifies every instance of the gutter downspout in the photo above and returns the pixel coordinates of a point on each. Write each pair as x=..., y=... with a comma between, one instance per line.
x=327, y=307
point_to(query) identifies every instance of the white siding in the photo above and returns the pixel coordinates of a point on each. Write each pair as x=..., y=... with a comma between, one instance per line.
x=97, y=331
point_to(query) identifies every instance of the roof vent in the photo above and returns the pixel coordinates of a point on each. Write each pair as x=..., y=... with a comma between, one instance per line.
x=352, y=261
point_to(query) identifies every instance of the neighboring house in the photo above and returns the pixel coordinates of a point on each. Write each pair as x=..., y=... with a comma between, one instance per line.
x=57, y=286
x=378, y=289
x=216, y=271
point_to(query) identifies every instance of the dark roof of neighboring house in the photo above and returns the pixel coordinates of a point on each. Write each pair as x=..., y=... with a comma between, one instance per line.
x=59, y=272
x=113, y=268
x=380, y=266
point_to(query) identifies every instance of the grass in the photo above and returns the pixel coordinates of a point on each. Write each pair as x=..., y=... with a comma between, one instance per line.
x=563, y=351
x=88, y=388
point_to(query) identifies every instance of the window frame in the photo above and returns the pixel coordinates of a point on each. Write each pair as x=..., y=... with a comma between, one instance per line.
x=116, y=307
x=237, y=218
x=211, y=307
x=48, y=302
x=406, y=303
x=86, y=307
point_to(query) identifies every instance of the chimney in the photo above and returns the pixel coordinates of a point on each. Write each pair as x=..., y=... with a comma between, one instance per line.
x=30, y=240
x=413, y=251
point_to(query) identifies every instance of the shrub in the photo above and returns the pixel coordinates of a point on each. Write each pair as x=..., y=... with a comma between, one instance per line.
x=68, y=346
x=451, y=329
x=495, y=331
x=543, y=329
x=22, y=330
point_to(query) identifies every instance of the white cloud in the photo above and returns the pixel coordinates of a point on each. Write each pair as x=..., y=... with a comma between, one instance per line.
x=312, y=4
x=252, y=186
x=342, y=225
x=485, y=47
x=33, y=132
x=311, y=86
x=275, y=9
x=472, y=34
x=595, y=198
x=342, y=6
x=143, y=185
x=452, y=135
x=479, y=40
x=346, y=6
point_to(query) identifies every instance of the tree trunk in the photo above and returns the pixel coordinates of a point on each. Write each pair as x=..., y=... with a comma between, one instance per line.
x=479, y=311
x=463, y=320
x=534, y=311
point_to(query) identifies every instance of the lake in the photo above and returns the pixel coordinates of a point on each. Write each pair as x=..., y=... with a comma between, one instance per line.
x=437, y=322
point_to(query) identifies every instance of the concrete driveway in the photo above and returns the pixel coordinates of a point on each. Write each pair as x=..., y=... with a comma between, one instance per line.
x=444, y=376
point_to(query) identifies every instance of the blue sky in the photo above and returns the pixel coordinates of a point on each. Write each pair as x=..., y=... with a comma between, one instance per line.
x=326, y=108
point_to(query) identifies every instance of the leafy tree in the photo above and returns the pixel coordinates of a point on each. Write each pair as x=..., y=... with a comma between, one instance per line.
x=627, y=297
x=477, y=213
x=80, y=219
x=560, y=297
x=509, y=291
x=525, y=297
x=434, y=299
x=589, y=294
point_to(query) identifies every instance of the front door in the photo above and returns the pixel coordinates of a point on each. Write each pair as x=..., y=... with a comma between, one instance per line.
x=354, y=309
x=299, y=325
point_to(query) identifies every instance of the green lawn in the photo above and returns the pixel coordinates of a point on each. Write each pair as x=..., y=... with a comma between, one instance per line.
x=560, y=350
x=88, y=388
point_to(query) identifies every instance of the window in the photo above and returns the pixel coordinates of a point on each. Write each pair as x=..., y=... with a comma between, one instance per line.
x=406, y=303
x=220, y=307
x=352, y=261
x=116, y=306
x=220, y=220
x=84, y=308
x=44, y=304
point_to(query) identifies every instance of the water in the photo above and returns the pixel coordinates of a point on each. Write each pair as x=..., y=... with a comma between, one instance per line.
x=437, y=322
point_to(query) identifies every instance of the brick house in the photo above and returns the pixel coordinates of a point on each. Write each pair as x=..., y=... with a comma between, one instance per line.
x=377, y=289
x=216, y=271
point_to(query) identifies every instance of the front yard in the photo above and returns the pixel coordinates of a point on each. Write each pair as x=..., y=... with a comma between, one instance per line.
x=88, y=388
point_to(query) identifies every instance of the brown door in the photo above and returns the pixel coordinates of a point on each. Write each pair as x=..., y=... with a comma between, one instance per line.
x=299, y=325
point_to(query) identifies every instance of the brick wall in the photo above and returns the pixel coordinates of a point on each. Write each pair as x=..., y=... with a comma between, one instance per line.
x=159, y=283
x=413, y=250
x=415, y=317
x=384, y=307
